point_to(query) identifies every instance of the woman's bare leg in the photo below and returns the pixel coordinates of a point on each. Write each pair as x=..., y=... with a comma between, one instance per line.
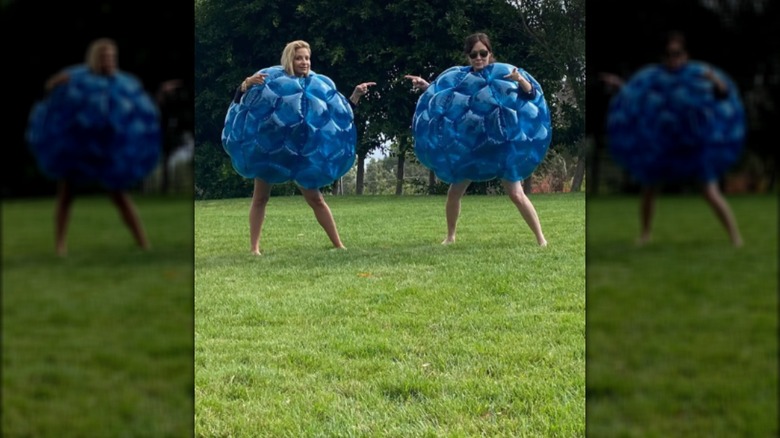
x=722, y=210
x=454, y=195
x=323, y=214
x=260, y=197
x=131, y=218
x=526, y=209
x=62, y=217
x=646, y=213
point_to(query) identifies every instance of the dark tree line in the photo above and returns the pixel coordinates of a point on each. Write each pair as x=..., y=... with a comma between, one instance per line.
x=353, y=42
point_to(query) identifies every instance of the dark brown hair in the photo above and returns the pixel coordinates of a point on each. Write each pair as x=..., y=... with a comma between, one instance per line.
x=673, y=36
x=475, y=38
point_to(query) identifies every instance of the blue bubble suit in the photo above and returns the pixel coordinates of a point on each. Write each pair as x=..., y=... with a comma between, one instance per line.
x=670, y=126
x=474, y=126
x=291, y=129
x=96, y=129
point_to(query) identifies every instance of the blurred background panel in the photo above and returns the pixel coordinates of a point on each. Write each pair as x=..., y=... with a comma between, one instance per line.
x=100, y=342
x=682, y=332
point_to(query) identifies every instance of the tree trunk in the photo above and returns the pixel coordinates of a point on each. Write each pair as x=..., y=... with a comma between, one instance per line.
x=431, y=181
x=361, y=170
x=336, y=187
x=399, y=175
x=165, y=177
x=595, y=156
x=579, y=172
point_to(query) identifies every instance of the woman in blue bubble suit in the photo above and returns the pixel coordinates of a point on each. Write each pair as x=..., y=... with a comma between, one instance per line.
x=97, y=125
x=677, y=121
x=293, y=126
x=479, y=52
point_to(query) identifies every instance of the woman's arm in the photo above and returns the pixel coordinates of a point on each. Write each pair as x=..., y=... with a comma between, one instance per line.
x=57, y=79
x=418, y=82
x=612, y=81
x=359, y=92
x=255, y=79
x=525, y=89
x=721, y=89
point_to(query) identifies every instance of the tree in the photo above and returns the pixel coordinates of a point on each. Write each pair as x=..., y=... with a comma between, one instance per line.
x=556, y=29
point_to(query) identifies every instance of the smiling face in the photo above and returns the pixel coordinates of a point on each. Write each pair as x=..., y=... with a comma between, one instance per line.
x=101, y=56
x=301, y=62
x=675, y=53
x=106, y=59
x=676, y=56
x=479, y=56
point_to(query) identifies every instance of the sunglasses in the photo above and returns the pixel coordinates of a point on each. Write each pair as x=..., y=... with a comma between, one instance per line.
x=481, y=54
x=673, y=54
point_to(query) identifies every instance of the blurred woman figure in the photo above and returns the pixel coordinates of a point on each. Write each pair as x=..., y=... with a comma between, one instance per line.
x=96, y=125
x=677, y=121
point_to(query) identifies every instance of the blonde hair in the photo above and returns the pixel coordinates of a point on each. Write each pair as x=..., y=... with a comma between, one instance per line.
x=94, y=49
x=288, y=54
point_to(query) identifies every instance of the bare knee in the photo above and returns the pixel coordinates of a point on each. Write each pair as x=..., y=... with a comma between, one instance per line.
x=711, y=193
x=454, y=198
x=260, y=200
x=315, y=201
x=518, y=197
x=514, y=189
x=117, y=197
x=121, y=200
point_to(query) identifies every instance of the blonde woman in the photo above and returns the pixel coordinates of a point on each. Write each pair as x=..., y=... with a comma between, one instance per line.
x=96, y=126
x=288, y=123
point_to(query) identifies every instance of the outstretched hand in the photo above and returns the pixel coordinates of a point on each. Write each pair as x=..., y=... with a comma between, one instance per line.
x=515, y=75
x=57, y=79
x=520, y=79
x=710, y=75
x=255, y=79
x=360, y=91
x=418, y=82
x=612, y=81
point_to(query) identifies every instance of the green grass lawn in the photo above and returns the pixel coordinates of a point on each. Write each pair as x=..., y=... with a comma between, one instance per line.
x=398, y=336
x=682, y=334
x=97, y=344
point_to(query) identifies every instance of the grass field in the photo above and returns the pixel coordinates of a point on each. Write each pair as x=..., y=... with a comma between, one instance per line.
x=682, y=334
x=398, y=336
x=98, y=343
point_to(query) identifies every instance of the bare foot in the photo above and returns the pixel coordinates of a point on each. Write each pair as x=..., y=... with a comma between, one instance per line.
x=643, y=240
x=448, y=241
x=62, y=251
x=737, y=242
x=256, y=252
x=543, y=243
x=338, y=248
